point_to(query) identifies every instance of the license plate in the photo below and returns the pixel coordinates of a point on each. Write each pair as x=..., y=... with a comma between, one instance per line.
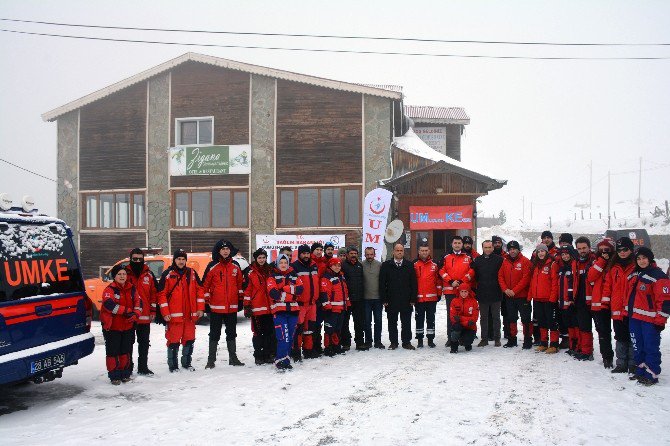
x=50, y=362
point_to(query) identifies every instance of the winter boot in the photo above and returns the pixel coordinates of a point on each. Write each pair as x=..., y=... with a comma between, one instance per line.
x=565, y=343
x=172, y=353
x=419, y=343
x=329, y=351
x=527, y=343
x=259, y=361
x=620, y=369
x=454, y=347
x=468, y=347
x=608, y=361
x=483, y=343
x=537, y=341
x=511, y=342
x=380, y=346
x=645, y=381
x=186, y=356
x=232, y=356
x=497, y=342
x=552, y=350
x=431, y=344
x=296, y=354
x=211, y=358
x=541, y=348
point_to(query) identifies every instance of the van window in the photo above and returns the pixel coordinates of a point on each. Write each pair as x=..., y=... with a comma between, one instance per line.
x=36, y=260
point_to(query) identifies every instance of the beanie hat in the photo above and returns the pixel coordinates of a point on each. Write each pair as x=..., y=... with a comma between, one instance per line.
x=464, y=287
x=315, y=245
x=342, y=251
x=513, y=244
x=115, y=270
x=303, y=248
x=568, y=249
x=496, y=238
x=136, y=251
x=547, y=234
x=334, y=261
x=179, y=253
x=467, y=240
x=328, y=245
x=625, y=242
x=542, y=247
x=282, y=256
x=258, y=252
x=644, y=251
x=565, y=238
x=606, y=243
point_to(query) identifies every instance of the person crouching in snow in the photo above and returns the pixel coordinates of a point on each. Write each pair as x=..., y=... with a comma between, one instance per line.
x=181, y=303
x=120, y=310
x=464, y=312
x=648, y=307
x=334, y=299
x=284, y=290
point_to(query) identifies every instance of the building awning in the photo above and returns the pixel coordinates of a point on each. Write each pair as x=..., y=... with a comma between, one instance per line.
x=437, y=115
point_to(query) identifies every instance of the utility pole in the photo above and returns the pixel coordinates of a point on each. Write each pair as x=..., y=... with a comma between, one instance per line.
x=590, y=183
x=639, y=190
x=609, y=216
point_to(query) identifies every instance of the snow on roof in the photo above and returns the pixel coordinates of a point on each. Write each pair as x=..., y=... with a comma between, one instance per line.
x=411, y=143
x=445, y=115
x=225, y=63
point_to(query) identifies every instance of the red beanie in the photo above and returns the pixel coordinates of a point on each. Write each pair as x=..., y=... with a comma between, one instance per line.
x=606, y=243
x=334, y=261
x=464, y=286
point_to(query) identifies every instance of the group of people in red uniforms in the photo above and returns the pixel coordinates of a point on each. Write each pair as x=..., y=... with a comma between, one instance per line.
x=559, y=293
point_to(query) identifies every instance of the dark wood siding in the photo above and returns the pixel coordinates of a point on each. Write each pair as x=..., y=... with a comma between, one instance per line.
x=203, y=241
x=205, y=90
x=209, y=180
x=112, y=141
x=319, y=135
x=98, y=249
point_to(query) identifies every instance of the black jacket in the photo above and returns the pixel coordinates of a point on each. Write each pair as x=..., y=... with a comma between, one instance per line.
x=486, y=273
x=397, y=285
x=354, y=275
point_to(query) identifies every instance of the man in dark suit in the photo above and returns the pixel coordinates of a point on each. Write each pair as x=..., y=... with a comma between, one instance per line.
x=397, y=290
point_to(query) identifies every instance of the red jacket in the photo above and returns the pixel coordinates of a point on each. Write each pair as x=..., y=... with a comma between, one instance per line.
x=428, y=281
x=121, y=307
x=567, y=284
x=223, y=287
x=649, y=296
x=283, y=289
x=321, y=263
x=543, y=276
x=256, y=295
x=596, y=279
x=455, y=267
x=615, y=287
x=180, y=298
x=467, y=311
x=308, y=277
x=145, y=285
x=334, y=292
x=514, y=274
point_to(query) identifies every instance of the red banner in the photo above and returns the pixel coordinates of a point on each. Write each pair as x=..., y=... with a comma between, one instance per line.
x=440, y=217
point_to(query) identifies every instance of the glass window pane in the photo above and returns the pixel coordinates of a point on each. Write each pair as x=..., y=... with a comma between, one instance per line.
x=138, y=210
x=92, y=211
x=205, y=135
x=220, y=209
x=106, y=210
x=308, y=207
x=181, y=209
x=200, y=213
x=240, y=203
x=287, y=205
x=188, y=132
x=331, y=210
x=352, y=207
x=122, y=210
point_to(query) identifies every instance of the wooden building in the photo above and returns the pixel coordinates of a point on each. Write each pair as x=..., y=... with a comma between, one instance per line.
x=315, y=147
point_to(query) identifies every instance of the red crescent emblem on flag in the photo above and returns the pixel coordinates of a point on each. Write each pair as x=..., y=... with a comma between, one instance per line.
x=377, y=205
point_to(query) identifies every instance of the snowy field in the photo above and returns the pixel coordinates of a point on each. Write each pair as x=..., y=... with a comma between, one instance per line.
x=489, y=396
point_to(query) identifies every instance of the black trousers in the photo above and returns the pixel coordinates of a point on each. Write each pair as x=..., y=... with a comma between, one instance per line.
x=603, y=323
x=518, y=306
x=118, y=342
x=405, y=324
x=357, y=313
x=489, y=317
x=264, y=339
x=142, y=332
x=425, y=311
x=545, y=313
x=462, y=335
x=217, y=320
x=584, y=321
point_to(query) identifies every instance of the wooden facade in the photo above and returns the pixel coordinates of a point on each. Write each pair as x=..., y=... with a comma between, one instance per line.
x=106, y=248
x=203, y=241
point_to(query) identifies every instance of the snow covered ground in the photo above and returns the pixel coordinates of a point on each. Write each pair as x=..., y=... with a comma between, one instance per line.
x=489, y=396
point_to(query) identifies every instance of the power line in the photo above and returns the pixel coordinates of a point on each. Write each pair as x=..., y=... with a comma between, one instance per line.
x=329, y=36
x=324, y=50
x=29, y=171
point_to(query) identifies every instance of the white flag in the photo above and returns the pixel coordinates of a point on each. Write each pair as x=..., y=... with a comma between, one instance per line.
x=375, y=216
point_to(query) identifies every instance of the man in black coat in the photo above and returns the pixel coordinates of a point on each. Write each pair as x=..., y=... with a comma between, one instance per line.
x=353, y=272
x=397, y=290
x=489, y=294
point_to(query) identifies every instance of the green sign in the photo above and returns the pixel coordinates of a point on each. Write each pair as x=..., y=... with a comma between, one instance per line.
x=210, y=160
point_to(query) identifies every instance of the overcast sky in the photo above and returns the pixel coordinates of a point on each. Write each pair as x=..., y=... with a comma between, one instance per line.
x=535, y=123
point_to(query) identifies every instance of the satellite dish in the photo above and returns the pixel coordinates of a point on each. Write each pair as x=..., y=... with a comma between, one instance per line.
x=28, y=203
x=394, y=231
x=5, y=201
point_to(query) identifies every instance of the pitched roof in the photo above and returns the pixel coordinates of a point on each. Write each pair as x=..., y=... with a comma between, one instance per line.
x=437, y=115
x=224, y=63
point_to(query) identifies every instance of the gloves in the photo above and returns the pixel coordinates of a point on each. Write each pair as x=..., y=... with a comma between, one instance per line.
x=247, y=312
x=457, y=319
x=472, y=324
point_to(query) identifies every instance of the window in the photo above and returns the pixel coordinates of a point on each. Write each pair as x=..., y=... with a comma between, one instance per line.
x=119, y=210
x=211, y=209
x=194, y=131
x=320, y=207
